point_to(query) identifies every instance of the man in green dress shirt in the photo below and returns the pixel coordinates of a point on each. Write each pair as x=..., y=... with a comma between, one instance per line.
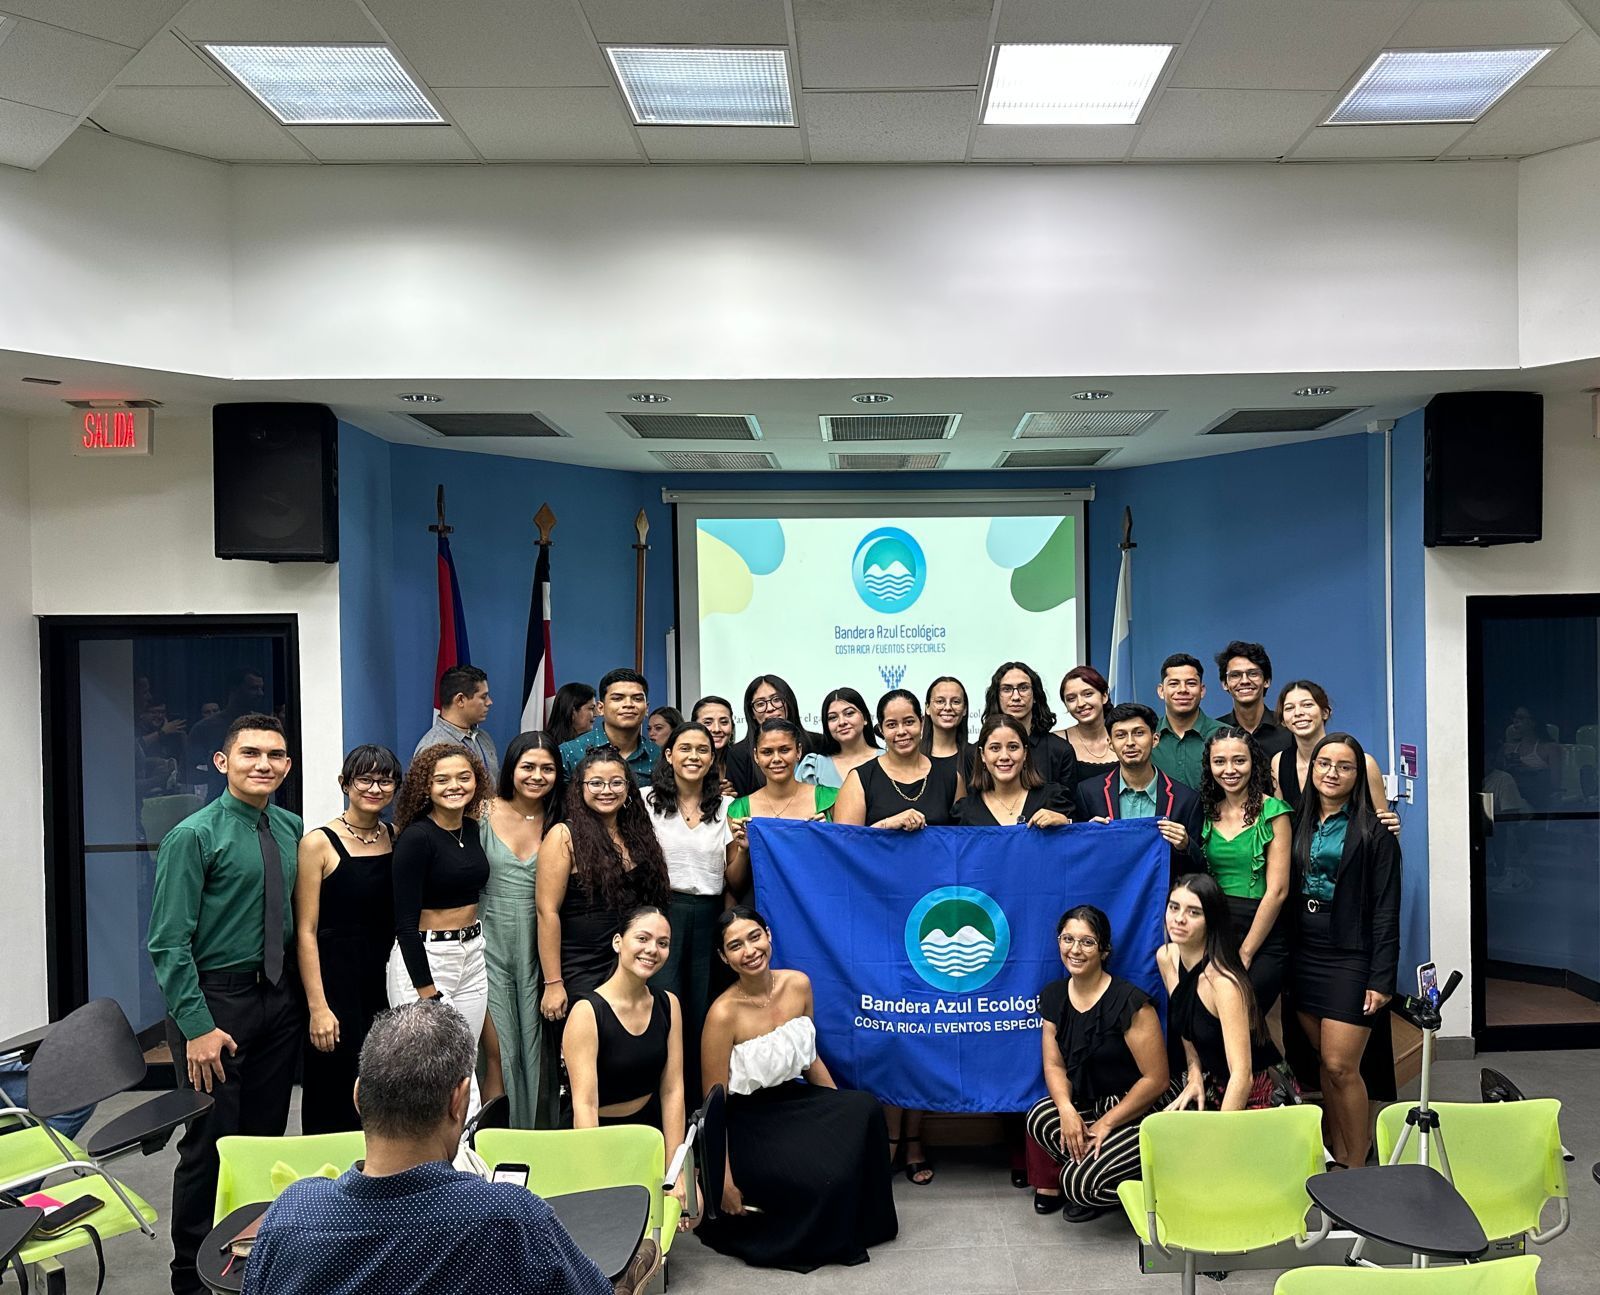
x=220, y=927
x=1183, y=730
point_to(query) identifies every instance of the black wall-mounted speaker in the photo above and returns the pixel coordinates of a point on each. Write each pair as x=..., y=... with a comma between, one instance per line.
x=1483, y=468
x=275, y=479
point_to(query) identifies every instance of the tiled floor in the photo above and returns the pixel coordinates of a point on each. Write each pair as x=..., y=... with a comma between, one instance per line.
x=971, y=1232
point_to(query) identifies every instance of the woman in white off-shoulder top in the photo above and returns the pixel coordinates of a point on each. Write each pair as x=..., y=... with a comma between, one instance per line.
x=808, y=1180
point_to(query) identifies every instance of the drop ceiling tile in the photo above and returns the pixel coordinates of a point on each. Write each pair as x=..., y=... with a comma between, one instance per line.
x=879, y=44
x=1449, y=23
x=688, y=22
x=64, y=71
x=722, y=143
x=1047, y=21
x=213, y=121
x=28, y=135
x=385, y=143
x=1332, y=143
x=1229, y=124
x=1575, y=63
x=1052, y=143
x=281, y=20
x=561, y=124
x=168, y=61
x=1534, y=119
x=128, y=22
x=1285, y=44
x=491, y=43
x=908, y=126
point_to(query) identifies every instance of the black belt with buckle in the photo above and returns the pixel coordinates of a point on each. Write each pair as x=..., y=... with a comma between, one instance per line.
x=1316, y=905
x=465, y=933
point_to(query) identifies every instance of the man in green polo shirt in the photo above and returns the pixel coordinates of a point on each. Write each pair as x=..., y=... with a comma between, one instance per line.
x=1184, y=728
x=220, y=927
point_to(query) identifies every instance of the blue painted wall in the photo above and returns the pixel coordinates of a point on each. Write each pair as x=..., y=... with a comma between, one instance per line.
x=367, y=632
x=1410, y=685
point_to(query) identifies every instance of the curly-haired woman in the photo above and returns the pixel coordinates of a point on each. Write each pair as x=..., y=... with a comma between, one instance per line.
x=1245, y=834
x=440, y=871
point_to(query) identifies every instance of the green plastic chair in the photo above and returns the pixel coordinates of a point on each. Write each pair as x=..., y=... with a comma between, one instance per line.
x=1224, y=1181
x=1513, y=1276
x=1505, y=1160
x=244, y=1171
x=112, y=1219
x=578, y=1160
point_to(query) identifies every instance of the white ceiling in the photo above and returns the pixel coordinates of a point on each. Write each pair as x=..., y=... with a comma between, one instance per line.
x=879, y=81
x=788, y=411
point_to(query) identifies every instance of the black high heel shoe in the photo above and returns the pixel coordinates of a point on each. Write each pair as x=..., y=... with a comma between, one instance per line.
x=1043, y=1204
x=1019, y=1178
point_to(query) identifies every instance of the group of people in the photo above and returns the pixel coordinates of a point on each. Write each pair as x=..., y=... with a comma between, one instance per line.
x=585, y=905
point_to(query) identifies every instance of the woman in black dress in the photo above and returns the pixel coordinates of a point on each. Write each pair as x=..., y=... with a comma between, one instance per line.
x=1006, y=788
x=1086, y=695
x=1105, y=1067
x=944, y=737
x=902, y=790
x=344, y=924
x=1345, y=895
x=811, y=1157
x=1015, y=689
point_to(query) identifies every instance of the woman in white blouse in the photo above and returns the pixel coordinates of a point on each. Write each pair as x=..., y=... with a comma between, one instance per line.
x=690, y=817
x=808, y=1180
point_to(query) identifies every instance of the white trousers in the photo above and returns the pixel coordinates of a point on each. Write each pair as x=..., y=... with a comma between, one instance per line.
x=460, y=974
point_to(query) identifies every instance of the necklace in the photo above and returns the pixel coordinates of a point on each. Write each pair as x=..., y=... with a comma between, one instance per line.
x=458, y=833
x=900, y=791
x=782, y=810
x=1103, y=753
x=377, y=831
x=1013, y=812
x=765, y=1002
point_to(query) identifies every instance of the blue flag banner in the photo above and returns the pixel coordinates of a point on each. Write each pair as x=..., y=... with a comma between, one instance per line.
x=927, y=950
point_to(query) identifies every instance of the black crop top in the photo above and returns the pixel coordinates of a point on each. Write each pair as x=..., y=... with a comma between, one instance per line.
x=629, y=1066
x=433, y=868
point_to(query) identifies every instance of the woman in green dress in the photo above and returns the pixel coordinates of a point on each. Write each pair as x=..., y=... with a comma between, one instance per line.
x=527, y=805
x=1246, y=833
x=776, y=749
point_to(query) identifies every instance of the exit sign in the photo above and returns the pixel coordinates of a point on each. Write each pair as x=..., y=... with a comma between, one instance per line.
x=113, y=431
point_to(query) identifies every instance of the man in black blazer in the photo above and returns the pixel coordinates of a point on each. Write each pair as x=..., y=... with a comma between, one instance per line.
x=1137, y=789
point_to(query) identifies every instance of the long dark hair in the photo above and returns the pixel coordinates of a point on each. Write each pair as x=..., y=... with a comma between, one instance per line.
x=1255, y=791
x=564, y=709
x=1042, y=719
x=980, y=779
x=962, y=741
x=791, y=706
x=830, y=744
x=664, y=782
x=596, y=862
x=1363, y=816
x=535, y=740
x=1222, y=946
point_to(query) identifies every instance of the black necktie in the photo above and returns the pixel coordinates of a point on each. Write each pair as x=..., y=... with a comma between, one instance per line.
x=272, y=910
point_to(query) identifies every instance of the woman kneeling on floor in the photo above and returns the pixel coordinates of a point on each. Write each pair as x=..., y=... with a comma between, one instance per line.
x=1105, y=1066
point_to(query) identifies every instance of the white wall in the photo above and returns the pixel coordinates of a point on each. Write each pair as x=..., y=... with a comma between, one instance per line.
x=134, y=536
x=22, y=1005
x=1566, y=561
x=1558, y=241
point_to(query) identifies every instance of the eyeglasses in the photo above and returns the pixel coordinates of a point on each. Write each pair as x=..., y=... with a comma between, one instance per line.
x=598, y=785
x=1015, y=689
x=365, y=783
x=1241, y=676
x=1087, y=943
x=1328, y=766
x=764, y=705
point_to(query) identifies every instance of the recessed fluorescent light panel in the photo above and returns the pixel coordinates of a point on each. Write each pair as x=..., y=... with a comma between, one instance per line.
x=674, y=86
x=1072, y=85
x=1433, y=85
x=328, y=85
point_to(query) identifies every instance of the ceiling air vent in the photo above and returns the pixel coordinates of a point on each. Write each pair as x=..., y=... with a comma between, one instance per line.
x=1242, y=422
x=691, y=427
x=887, y=462
x=111, y=404
x=471, y=425
x=715, y=460
x=1086, y=422
x=889, y=427
x=1053, y=458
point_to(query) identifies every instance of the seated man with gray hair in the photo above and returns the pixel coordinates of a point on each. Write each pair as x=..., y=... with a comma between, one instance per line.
x=404, y=1220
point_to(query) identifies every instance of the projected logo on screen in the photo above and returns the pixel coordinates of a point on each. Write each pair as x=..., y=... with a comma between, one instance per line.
x=957, y=938
x=889, y=570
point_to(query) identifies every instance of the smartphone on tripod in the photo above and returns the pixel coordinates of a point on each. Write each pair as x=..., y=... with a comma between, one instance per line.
x=1428, y=984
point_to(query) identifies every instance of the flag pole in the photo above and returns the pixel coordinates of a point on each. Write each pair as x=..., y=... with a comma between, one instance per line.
x=1121, y=655
x=538, y=669
x=641, y=524
x=439, y=527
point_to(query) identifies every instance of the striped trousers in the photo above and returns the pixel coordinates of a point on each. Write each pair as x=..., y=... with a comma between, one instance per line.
x=1092, y=1181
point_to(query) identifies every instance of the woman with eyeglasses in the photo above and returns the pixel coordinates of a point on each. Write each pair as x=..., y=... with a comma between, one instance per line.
x=1015, y=689
x=1086, y=695
x=343, y=921
x=600, y=862
x=1347, y=914
x=847, y=740
x=768, y=696
x=715, y=714
x=944, y=737
x=1105, y=1067
x=527, y=805
x=440, y=871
